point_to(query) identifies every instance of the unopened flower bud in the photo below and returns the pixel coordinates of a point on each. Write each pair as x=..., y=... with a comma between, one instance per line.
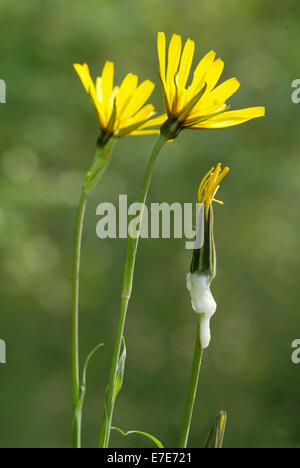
x=203, y=267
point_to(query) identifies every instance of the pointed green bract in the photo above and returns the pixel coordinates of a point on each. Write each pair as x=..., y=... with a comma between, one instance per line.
x=120, y=372
x=204, y=259
x=190, y=106
x=206, y=117
x=132, y=128
x=216, y=436
x=109, y=406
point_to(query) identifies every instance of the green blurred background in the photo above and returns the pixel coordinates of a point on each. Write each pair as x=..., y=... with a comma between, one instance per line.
x=48, y=134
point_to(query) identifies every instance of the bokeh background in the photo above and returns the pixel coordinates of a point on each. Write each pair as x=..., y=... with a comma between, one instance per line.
x=48, y=134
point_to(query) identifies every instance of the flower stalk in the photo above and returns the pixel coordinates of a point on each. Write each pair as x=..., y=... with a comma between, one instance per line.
x=126, y=295
x=75, y=302
x=100, y=163
x=192, y=392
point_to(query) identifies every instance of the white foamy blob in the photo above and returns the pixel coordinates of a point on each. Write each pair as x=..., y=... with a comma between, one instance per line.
x=203, y=303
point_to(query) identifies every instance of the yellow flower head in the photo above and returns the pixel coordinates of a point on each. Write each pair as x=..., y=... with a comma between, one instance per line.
x=210, y=185
x=201, y=104
x=120, y=110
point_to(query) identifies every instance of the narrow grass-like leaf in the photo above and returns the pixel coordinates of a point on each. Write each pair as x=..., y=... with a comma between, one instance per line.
x=149, y=436
x=78, y=411
x=117, y=387
x=120, y=372
x=216, y=436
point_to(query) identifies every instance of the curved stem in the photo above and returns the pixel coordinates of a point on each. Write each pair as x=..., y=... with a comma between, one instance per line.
x=75, y=302
x=126, y=294
x=198, y=353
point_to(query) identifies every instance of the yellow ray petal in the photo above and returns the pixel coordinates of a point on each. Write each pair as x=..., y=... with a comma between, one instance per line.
x=113, y=96
x=99, y=89
x=202, y=68
x=231, y=118
x=210, y=185
x=220, y=94
x=186, y=63
x=84, y=75
x=155, y=121
x=202, y=184
x=107, y=80
x=96, y=95
x=173, y=62
x=139, y=97
x=105, y=89
x=201, y=112
x=213, y=75
x=145, y=113
x=145, y=132
x=161, y=47
x=221, y=175
x=127, y=88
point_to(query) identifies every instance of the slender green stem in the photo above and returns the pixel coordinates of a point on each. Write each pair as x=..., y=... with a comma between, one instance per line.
x=126, y=294
x=75, y=339
x=100, y=163
x=192, y=391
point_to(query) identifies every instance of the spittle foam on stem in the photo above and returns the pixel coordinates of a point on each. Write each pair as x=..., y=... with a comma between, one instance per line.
x=203, y=303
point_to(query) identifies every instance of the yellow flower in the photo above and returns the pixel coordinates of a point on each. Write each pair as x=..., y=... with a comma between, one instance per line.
x=210, y=185
x=120, y=110
x=201, y=104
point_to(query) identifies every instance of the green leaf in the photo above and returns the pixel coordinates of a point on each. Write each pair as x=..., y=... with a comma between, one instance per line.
x=112, y=118
x=118, y=382
x=216, y=436
x=204, y=259
x=120, y=372
x=166, y=103
x=117, y=387
x=78, y=411
x=132, y=128
x=206, y=117
x=149, y=436
x=191, y=104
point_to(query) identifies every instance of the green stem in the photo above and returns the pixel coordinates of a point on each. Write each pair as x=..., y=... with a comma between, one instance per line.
x=192, y=391
x=126, y=294
x=75, y=338
x=100, y=163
